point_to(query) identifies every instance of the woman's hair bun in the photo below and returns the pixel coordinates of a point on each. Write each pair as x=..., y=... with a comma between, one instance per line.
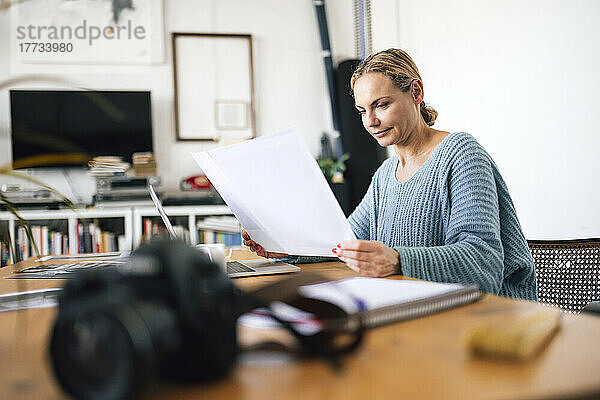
x=429, y=114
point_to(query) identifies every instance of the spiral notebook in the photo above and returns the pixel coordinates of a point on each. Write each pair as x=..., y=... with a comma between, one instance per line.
x=381, y=301
x=377, y=301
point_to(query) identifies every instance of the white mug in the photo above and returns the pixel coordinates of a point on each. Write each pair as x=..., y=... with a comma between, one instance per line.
x=215, y=253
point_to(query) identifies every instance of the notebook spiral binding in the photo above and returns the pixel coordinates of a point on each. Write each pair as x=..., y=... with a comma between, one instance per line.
x=419, y=308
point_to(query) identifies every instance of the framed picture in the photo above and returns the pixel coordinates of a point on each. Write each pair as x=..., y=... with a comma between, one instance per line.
x=214, y=86
x=127, y=32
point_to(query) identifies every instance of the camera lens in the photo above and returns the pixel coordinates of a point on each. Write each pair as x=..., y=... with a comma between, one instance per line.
x=107, y=354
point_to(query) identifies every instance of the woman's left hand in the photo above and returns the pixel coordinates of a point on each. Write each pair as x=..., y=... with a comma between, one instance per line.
x=369, y=258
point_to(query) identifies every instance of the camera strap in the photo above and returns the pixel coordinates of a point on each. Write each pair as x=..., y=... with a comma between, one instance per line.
x=340, y=333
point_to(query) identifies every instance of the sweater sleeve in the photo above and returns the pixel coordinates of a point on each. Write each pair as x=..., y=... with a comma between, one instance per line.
x=472, y=250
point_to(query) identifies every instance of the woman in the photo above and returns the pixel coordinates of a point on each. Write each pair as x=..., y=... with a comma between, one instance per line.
x=439, y=210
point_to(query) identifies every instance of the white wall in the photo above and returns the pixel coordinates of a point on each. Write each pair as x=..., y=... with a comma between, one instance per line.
x=520, y=76
x=523, y=78
x=290, y=82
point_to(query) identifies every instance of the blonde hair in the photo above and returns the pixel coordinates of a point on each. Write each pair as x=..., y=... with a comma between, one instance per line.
x=397, y=65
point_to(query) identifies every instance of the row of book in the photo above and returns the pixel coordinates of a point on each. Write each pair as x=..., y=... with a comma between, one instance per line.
x=154, y=228
x=227, y=238
x=90, y=239
x=45, y=241
x=219, y=229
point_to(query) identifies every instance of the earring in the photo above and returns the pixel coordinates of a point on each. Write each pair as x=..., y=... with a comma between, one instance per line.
x=423, y=104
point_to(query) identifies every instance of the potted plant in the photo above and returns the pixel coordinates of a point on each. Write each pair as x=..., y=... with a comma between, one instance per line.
x=334, y=173
x=333, y=169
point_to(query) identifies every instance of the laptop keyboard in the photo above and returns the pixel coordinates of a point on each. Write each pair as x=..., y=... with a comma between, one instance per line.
x=235, y=266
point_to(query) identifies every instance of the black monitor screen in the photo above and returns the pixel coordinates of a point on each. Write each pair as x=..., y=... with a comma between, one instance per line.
x=95, y=123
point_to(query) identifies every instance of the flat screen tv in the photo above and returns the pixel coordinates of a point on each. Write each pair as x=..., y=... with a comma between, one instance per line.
x=95, y=123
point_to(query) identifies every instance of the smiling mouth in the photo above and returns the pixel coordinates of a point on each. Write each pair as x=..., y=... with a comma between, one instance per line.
x=381, y=133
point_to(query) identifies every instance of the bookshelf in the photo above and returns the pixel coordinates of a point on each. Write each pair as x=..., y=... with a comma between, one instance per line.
x=183, y=216
x=219, y=229
x=66, y=223
x=123, y=226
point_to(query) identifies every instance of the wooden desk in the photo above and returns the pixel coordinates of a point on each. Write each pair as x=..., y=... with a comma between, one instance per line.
x=423, y=358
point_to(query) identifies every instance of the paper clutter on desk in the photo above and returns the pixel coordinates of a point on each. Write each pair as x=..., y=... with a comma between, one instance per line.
x=515, y=336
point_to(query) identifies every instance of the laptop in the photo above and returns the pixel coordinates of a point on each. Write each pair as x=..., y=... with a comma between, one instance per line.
x=235, y=269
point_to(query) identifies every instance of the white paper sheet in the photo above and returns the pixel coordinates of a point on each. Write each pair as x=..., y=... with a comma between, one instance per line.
x=276, y=190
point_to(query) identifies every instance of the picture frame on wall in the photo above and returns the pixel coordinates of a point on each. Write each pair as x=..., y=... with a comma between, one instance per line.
x=88, y=33
x=213, y=86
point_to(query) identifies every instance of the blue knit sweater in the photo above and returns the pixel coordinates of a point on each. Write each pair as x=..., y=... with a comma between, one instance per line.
x=452, y=221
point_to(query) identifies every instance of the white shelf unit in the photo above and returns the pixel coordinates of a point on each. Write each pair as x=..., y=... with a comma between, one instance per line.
x=191, y=212
x=72, y=216
x=132, y=220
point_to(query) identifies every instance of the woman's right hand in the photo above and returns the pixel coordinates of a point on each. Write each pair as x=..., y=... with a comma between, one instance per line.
x=258, y=249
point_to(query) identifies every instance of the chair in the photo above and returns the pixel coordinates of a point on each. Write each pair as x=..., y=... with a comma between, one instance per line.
x=568, y=272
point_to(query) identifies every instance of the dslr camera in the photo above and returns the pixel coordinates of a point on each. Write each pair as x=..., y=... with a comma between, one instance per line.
x=167, y=312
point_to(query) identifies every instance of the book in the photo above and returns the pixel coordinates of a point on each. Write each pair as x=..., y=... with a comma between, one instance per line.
x=45, y=242
x=22, y=244
x=381, y=301
x=35, y=246
x=222, y=224
x=79, y=229
x=219, y=229
x=65, y=244
x=44, y=248
x=377, y=301
x=4, y=254
x=86, y=238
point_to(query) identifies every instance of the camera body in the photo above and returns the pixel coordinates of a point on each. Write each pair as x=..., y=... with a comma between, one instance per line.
x=168, y=312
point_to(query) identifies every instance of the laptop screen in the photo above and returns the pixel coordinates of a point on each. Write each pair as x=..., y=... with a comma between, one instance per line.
x=162, y=213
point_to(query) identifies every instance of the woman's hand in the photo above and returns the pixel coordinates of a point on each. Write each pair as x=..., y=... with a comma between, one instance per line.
x=369, y=258
x=258, y=249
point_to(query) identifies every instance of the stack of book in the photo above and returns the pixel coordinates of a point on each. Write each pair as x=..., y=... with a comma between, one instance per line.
x=144, y=164
x=219, y=229
x=107, y=166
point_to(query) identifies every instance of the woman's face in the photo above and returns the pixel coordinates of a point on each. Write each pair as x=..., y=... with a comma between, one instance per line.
x=388, y=114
